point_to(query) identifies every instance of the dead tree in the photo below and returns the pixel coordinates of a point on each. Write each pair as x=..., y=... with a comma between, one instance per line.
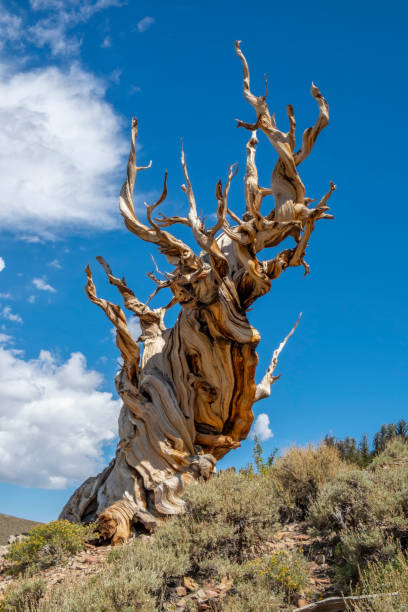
x=187, y=399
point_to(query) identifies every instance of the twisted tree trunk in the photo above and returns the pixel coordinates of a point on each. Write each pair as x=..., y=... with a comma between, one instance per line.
x=187, y=400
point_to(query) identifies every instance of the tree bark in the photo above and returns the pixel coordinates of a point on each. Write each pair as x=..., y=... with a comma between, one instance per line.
x=188, y=397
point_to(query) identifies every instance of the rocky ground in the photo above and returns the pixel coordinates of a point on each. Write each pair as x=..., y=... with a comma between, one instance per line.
x=94, y=559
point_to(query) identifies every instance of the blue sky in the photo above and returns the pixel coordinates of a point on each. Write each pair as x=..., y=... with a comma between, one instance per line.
x=72, y=74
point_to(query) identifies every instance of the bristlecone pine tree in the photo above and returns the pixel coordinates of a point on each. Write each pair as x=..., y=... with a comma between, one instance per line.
x=187, y=400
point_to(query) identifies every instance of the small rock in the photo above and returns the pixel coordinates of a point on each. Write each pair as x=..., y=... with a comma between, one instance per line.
x=77, y=566
x=320, y=559
x=190, y=583
x=181, y=591
x=211, y=594
x=201, y=595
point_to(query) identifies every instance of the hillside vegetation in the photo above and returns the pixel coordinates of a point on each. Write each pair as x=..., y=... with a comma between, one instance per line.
x=282, y=532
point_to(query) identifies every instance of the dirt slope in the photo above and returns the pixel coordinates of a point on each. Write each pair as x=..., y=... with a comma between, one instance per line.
x=12, y=525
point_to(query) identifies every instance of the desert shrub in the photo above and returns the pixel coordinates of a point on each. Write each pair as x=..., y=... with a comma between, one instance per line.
x=285, y=572
x=117, y=589
x=301, y=472
x=49, y=544
x=357, y=548
x=133, y=580
x=396, y=450
x=227, y=519
x=23, y=596
x=390, y=577
x=166, y=555
x=267, y=583
x=345, y=502
x=229, y=515
x=363, y=498
x=251, y=594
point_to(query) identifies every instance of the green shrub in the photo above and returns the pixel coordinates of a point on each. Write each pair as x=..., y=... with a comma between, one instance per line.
x=23, y=596
x=49, y=544
x=227, y=519
x=345, y=502
x=116, y=589
x=230, y=514
x=284, y=572
x=301, y=472
x=363, y=498
x=390, y=577
x=251, y=593
x=357, y=548
x=395, y=451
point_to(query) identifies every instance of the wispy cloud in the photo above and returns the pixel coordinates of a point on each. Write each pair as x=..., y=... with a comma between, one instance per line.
x=261, y=428
x=7, y=313
x=42, y=285
x=106, y=43
x=31, y=299
x=55, y=264
x=2, y=264
x=54, y=26
x=145, y=23
x=61, y=17
x=10, y=27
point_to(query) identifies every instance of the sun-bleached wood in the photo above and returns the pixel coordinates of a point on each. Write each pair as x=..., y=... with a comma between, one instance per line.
x=188, y=396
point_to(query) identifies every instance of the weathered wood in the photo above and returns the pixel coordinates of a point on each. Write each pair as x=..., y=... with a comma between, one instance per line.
x=188, y=395
x=342, y=604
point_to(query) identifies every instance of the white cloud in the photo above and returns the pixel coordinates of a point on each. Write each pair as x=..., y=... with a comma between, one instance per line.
x=2, y=264
x=55, y=264
x=7, y=313
x=54, y=421
x=61, y=146
x=106, y=43
x=145, y=23
x=42, y=285
x=31, y=299
x=6, y=296
x=261, y=428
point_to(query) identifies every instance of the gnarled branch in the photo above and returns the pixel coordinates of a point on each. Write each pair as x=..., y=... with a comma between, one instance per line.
x=263, y=389
x=129, y=349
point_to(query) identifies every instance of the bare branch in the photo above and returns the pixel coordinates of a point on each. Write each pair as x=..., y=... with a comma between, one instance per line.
x=175, y=250
x=292, y=126
x=258, y=102
x=150, y=209
x=222, y=198
x=233, y=216
x=148, y=318
x=310, y=135
x=326, y=197
x=287, y=186
x=129, y=349
x=205, y=239
x=263, y=389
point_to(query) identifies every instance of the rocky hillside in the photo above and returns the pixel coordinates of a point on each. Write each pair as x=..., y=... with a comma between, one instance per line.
x=306, y=527
x=12, y=525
